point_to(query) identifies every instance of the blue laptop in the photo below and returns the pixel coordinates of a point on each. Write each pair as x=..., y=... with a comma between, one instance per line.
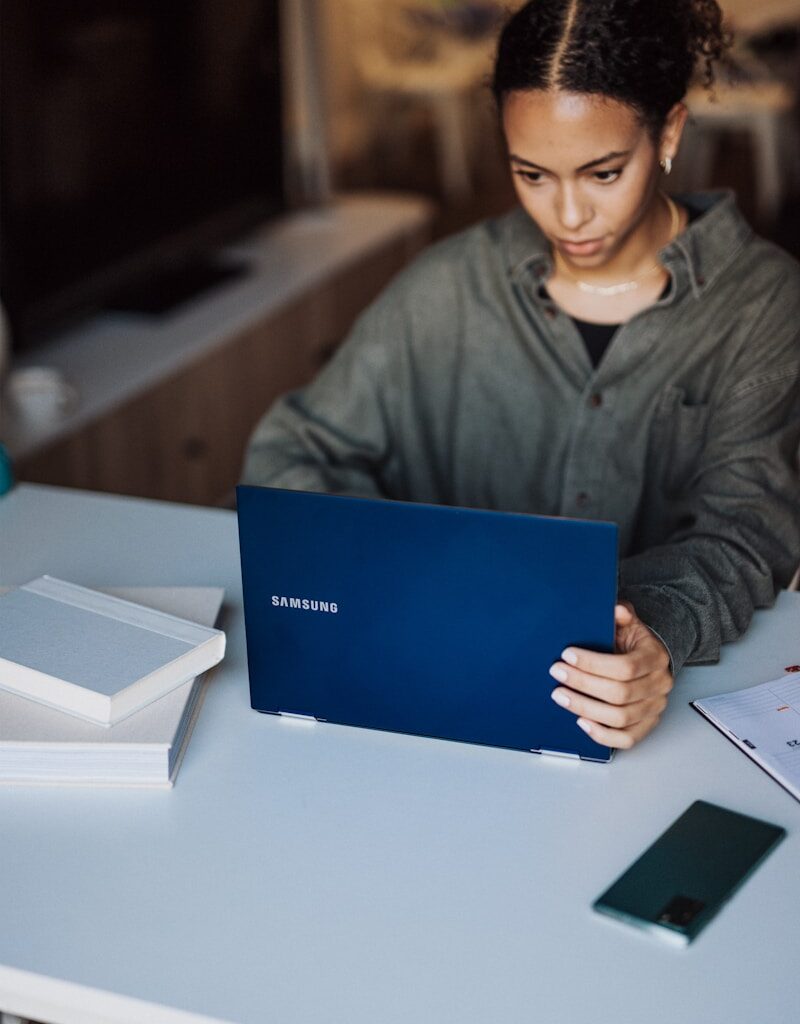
x=422, y=619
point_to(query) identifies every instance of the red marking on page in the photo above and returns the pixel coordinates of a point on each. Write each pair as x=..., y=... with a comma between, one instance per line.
x=792, y=668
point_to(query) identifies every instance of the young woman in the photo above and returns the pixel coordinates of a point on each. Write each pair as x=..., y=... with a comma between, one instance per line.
x=603, y=351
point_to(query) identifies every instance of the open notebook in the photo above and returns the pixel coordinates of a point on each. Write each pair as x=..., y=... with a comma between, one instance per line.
x=764, y=723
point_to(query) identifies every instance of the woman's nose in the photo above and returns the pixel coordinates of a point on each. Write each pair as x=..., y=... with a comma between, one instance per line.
x=572, y=212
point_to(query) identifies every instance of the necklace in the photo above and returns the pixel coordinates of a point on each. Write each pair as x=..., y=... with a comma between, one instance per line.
x=633, y=284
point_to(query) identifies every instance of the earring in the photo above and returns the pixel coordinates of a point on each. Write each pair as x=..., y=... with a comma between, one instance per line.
x=666, y=165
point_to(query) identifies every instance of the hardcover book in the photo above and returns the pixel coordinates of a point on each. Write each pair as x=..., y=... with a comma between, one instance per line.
x=93, y=655
x=41, y=745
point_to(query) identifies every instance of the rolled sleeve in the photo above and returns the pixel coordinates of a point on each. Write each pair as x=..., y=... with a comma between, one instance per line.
x=739, y=534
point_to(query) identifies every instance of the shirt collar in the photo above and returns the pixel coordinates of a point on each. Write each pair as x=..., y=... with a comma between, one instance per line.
x=704, y=249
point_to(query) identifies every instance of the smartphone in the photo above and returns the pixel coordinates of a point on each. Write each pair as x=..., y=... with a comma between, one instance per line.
x=681, y=881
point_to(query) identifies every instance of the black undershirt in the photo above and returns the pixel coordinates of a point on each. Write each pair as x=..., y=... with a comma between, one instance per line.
x=597, y=337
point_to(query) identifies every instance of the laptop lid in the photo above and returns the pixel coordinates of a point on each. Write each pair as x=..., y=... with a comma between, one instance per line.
x=423, y=619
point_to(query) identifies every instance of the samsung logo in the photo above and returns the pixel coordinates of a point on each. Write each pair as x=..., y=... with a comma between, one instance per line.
x=305, y=603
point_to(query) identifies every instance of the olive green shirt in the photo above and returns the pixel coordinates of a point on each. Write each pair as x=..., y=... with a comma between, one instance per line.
x=464, y=384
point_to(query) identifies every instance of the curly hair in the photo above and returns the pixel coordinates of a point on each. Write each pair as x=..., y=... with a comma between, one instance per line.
x=642, y=52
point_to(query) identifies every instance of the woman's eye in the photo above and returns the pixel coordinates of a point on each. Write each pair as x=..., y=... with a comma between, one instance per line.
x=532, y=177
x=606, y=177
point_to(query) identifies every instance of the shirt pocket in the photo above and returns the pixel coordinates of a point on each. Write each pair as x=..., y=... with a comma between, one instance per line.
x=678, y=436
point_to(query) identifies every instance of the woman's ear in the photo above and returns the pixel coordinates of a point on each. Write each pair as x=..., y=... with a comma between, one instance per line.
x=671, y=132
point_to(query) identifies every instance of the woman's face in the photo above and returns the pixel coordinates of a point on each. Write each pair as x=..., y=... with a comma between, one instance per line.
x=584, y=167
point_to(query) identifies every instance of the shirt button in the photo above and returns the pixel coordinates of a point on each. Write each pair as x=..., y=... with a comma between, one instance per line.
x=582, y=499
x=550, y=312
x=596, y=400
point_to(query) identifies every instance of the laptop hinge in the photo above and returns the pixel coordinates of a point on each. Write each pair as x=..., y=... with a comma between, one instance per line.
x=557, y=753
x=298, y=716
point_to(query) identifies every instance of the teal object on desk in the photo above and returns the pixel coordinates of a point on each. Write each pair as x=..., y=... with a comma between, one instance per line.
x=681, y=881
x=6, y=472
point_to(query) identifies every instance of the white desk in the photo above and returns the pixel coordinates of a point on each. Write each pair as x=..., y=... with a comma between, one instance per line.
x=324, y=874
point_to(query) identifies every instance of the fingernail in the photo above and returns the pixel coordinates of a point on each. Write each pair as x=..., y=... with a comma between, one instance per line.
x=558, y=673
x=560, y=698
x=569, y=656
x=584, y=725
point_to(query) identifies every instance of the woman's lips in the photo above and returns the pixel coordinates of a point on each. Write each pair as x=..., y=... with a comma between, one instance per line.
x=588, y=248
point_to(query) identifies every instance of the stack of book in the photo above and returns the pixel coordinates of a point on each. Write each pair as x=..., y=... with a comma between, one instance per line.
x=102, y=687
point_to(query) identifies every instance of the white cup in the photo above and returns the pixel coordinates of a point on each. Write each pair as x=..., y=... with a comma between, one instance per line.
x=39, y=394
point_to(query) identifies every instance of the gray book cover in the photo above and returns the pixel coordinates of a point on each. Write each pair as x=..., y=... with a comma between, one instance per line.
x=93, y=654
x=43, y=745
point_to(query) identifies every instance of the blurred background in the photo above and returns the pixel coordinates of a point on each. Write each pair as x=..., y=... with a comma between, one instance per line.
x=408, y=107
x=199, y=196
